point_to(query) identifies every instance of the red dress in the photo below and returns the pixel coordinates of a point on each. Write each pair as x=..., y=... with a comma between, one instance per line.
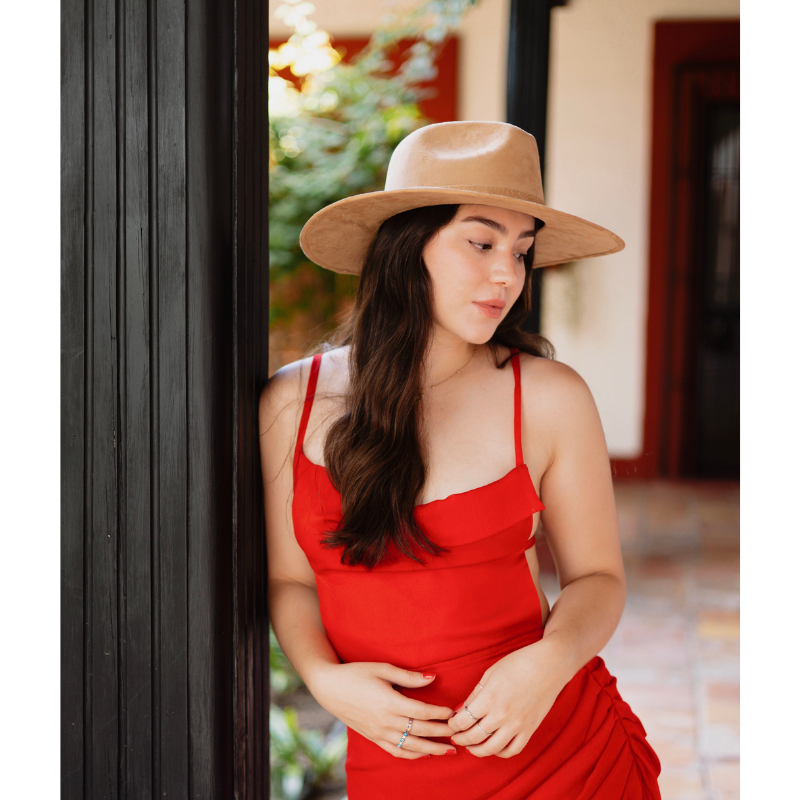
x=457, y=615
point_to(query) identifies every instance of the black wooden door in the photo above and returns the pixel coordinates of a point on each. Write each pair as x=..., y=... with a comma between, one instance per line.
x=164, y=350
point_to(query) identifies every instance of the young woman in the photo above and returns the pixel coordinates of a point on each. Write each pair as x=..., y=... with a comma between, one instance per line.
x=406, y=469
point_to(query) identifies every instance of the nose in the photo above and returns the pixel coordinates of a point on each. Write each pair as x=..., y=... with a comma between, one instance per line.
x=504, y=268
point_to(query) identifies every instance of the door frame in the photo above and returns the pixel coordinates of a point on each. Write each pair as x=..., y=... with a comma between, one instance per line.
x=676, y=44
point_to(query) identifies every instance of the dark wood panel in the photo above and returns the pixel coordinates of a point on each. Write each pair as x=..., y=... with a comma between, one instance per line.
x=102, y=397
x=251, y=373
x=73, y=375
x=210, y=237
x=171, y=398
x=164, y=351
x=137, y=433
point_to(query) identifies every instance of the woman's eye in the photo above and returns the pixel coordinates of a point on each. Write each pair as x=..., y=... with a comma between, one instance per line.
x=487, y=245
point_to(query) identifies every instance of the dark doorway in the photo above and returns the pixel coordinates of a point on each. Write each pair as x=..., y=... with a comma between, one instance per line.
x=701, y=428
x=711, y=447
x=692, y=384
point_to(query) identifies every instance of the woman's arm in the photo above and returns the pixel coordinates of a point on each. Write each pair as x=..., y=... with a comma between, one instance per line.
x=292, y=588
x=564, y=443
x=580, y=519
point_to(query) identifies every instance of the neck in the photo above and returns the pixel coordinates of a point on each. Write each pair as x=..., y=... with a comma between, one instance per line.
x=446, y=354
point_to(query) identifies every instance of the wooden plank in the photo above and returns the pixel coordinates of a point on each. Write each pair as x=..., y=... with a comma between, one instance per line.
x=102, y=396
x=136, y=441
x=209, y=87
x=73, y=376
x=170, y=399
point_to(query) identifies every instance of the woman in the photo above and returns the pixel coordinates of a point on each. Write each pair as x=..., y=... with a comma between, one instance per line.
x=405, y=472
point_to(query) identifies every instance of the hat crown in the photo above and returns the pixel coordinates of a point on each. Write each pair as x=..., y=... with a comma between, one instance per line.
x=494, y=157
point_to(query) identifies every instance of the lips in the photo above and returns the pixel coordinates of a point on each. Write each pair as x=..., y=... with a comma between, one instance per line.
x=490, y=308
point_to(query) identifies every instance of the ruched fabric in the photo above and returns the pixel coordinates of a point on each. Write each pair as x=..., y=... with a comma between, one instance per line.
x=456, y=615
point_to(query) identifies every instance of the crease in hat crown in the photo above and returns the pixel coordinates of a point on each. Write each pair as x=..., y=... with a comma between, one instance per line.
x=463, y=162
x=494, y=157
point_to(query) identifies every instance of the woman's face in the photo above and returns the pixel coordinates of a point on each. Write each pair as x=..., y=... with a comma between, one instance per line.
x=476, y=266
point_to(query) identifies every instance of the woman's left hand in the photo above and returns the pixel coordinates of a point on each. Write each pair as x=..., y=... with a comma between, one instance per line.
x=517, y=692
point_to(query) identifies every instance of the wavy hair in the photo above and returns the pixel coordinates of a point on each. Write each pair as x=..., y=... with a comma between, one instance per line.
x=373, y=452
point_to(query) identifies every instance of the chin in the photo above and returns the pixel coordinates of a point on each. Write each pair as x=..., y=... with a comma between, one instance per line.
x=475, y=335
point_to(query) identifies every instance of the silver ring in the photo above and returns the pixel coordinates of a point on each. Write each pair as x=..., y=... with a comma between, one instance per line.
x=486, y=732
x=468, y=711
x=480, y=687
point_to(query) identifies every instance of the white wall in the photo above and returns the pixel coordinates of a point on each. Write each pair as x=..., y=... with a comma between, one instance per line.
x=598, y=167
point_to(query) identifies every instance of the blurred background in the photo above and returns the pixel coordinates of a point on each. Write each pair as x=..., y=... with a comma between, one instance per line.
x=635, y=107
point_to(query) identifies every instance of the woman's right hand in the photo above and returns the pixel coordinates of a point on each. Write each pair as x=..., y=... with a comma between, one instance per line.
x=361, y=695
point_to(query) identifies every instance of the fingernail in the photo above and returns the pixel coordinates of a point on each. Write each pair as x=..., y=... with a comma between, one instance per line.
x=451, y=741
x=428, y=674
x=450, y=752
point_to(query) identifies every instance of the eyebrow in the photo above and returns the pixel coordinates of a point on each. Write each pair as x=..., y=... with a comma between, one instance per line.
x=499, y=227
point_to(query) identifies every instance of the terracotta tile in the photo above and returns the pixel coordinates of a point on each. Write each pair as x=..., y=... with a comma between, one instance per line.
x=669, y=721
x=672, y=698
x=719, y=711
x=718, y=650
x=676, y=750
x=719, y=741
x=681, y=783
x=717, y=624
x=717, y=690
x=724, y=778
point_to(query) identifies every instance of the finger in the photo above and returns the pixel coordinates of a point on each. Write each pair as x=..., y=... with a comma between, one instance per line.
x=400, y=752
x=408, y=707
x=491, y=746
x=477, y=734
x=473, y=694
x=467, y=716
x=417, y=744
x=514, y=747
x=423, y=727
x=403, y=677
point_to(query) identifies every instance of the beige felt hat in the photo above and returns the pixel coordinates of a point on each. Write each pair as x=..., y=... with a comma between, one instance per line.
x=490, y=163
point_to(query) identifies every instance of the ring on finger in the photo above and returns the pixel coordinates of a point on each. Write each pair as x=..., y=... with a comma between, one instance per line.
x=405, y=733
x=468, y=711
x=486, y=732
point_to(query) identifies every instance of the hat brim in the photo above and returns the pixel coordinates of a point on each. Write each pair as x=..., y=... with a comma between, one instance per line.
x=338, y=236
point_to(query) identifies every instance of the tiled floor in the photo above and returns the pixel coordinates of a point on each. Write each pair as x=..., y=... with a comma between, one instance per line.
x=676, y=651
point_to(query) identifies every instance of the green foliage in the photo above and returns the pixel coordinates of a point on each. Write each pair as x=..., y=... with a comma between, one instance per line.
x=300, y=759
x=334, y=138
x=282, y=677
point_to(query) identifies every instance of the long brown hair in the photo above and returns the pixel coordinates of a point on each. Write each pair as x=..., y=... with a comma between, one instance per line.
x=372, y=452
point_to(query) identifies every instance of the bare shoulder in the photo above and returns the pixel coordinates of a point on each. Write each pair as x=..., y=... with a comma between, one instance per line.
x=557, y=402
x=282, y=397
x=552, y=382
x=281, y=393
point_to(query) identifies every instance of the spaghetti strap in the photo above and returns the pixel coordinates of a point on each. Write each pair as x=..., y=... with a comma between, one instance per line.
x=310, y=392
x=517, y=406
